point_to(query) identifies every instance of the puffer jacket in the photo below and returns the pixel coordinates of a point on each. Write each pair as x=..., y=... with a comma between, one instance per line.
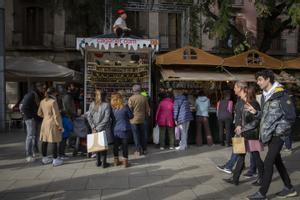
x=182, y=111
x=165, y=113
x=277, y=116
x=202, y=106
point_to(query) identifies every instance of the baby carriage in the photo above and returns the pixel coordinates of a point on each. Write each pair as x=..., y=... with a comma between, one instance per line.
x=81, y=129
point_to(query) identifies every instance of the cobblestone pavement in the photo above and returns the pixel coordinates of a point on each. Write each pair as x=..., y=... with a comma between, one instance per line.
x=167, y=174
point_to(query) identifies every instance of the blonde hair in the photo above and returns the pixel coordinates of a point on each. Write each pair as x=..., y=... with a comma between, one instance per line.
x=117, y=101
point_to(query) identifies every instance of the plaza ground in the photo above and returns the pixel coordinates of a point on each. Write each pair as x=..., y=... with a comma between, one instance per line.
x=185, y=175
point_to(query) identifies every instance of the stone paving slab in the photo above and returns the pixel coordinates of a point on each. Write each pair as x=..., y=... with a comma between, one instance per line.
x=132, y=194
x=165, y=175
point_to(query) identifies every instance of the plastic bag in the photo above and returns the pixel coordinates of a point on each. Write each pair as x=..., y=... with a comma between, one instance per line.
x=177, y=133
x=156, y=135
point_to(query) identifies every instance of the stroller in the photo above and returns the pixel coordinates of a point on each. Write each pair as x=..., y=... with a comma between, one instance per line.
x=81, y=129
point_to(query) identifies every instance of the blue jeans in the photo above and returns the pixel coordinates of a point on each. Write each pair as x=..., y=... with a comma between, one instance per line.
x=288, y=142
x=252, y=168
x=31, y=143
x=233, y=159
x=139, y=137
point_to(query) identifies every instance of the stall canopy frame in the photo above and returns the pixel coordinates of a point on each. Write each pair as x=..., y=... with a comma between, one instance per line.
x=189, y=56
x=253, y=59
x=124, y=45
x=292, y=64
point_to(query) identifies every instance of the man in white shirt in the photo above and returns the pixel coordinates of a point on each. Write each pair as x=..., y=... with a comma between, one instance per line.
x=120, y=27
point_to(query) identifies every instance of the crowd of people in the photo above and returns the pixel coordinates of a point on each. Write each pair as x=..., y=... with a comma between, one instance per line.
x=262, y=120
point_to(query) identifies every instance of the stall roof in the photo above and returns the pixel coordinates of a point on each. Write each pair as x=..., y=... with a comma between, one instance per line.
x=198, y=75
x=129, y=44
x=170, y=74
x=253, y=59
x=24, y=68
x=188, y=56
x=292, y=64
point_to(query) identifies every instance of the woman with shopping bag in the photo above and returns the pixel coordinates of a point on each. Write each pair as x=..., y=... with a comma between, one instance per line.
x=99, y=119
x=249, y=131
x=165, y=120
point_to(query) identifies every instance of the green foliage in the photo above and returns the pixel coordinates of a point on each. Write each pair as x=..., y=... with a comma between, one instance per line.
x=84, y=17
x=294, y=13
x=275, y=15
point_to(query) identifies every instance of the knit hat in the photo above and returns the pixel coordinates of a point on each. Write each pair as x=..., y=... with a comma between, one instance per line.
x=120, y=11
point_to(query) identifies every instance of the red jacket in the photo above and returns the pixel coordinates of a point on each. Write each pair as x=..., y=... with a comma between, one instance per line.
x=165, y=113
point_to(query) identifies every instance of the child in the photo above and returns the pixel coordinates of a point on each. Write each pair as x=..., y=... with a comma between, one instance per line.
x=68, y=128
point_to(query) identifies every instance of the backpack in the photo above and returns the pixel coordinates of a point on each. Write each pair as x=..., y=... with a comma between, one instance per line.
x=224, y=109
x=288, y=108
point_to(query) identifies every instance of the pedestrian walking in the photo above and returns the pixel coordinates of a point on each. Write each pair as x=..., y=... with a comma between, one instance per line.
x=249, y=130
x=277, y=116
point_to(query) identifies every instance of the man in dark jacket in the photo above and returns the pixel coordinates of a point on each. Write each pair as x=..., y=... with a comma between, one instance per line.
x=29, y=107
x=68, y=104
x=277, y=117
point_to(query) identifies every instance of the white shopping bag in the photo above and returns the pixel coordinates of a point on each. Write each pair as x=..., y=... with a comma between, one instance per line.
x=97, y=142
x=156, y=134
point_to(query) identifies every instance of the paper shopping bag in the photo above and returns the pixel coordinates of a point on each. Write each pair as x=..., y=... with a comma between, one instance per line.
x=238, y=145
x=97, y=142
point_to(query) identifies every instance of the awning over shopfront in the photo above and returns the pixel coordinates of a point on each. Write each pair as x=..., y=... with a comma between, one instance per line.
x=292, y=64
x=253, y=59
x=198, y=75
x=28, y=68
x=189, y=56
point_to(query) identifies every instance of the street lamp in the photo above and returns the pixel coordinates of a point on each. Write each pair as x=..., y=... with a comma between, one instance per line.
x=2, y=67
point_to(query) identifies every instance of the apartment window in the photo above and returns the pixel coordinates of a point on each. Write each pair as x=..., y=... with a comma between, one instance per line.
x=254, y=58
x=189, y=54
x=33, y=26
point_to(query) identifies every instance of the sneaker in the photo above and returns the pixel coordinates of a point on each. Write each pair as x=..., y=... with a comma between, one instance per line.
x=256, y=196
x=231, y=181
x=137, y=154
x=46, y=160
x=64, y=157
x=162, y=148
x=179, y=148
x=287, y=151
x=223, y=169
x=30, y=159
x=250, y=175
x=285, y=193
x=57, y=162
x=171, y=148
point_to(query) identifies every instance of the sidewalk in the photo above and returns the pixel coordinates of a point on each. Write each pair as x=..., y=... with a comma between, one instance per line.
x=165, y=174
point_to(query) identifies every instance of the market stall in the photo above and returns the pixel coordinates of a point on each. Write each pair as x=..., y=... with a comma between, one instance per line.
x=193, y=69
x=115, y=64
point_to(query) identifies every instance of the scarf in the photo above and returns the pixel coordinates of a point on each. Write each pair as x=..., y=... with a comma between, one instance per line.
x=268, y=94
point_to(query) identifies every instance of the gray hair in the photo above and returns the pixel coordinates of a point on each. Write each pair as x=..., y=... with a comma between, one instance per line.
x=136, y=88
x=241, y=84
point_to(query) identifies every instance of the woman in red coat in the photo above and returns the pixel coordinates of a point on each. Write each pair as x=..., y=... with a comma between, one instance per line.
x=165, y=120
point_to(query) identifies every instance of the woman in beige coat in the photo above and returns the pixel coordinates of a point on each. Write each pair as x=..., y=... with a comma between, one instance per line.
x=51, y=129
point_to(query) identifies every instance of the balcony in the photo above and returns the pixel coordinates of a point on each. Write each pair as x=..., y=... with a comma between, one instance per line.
x=237, y=4
x=278, y=46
